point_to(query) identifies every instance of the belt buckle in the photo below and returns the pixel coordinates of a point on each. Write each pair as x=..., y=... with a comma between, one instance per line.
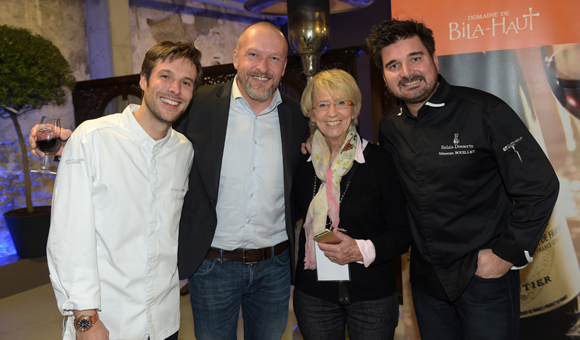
x=244, y=256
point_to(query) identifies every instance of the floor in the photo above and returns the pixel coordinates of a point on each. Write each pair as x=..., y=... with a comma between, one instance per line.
x=28, y=308
x=33, y=315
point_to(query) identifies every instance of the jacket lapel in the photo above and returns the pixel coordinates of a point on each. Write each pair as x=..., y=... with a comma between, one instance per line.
x=220, y=112
x=284, y=115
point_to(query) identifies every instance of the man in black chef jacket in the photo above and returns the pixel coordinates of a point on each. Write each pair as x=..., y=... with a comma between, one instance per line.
x=479, y=188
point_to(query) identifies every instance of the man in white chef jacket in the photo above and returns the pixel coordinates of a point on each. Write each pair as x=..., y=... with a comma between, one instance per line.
x=112, y=247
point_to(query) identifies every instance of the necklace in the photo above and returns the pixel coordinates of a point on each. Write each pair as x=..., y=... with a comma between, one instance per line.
x=341, y=196
x=328, y=221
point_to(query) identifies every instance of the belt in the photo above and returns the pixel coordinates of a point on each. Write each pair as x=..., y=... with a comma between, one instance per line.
x=247, y=256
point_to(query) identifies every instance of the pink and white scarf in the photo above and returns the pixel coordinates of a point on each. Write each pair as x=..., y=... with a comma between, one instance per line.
x=326, y=202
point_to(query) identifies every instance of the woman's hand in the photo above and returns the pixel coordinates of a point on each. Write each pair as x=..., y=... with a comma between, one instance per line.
x=345, y=252
x=306, y=147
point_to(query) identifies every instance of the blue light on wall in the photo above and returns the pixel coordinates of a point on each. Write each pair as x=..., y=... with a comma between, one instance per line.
x=8, y=152
x=12, y=191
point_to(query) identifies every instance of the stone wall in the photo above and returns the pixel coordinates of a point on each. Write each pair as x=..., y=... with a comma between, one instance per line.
x=213, y=29
x=62, y=22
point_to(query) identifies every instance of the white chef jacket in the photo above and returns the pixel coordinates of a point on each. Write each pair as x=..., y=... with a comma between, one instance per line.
x=113, y=236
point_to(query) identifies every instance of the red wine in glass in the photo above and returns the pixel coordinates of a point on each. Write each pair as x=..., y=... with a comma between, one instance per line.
x=47, y=140
x=48, y=145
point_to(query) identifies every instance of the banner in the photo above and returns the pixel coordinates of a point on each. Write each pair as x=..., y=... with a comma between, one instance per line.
x=475, y=26
x=526, y=52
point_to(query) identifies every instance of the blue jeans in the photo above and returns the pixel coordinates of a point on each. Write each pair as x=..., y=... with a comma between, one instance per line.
x=487, y=309
x=319, y=319
x=218, y=289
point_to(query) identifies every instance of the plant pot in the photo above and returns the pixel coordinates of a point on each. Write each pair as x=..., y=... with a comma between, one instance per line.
x=29, y=231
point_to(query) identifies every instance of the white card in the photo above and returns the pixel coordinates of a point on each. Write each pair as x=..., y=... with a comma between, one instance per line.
x=330, y=271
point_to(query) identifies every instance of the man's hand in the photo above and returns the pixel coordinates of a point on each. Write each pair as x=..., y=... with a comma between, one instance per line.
x=491, y=266
x=345, y=252
x=307, y=146
x=64, y=135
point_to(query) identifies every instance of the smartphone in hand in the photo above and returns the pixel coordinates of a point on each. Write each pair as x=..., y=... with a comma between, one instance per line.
x=326, y=236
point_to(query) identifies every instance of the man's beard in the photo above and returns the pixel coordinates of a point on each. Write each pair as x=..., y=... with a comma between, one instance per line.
x=416, y=98
x=156, y=112
x=245, y=82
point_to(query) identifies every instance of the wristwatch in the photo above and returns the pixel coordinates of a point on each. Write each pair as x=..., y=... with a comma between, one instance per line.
x=85, y=322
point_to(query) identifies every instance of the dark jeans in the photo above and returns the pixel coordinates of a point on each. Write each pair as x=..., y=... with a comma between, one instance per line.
x=487, y=309
x=366, y=320
x=218, y=289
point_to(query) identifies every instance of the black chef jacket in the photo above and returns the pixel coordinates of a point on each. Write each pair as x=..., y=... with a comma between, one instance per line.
x=474, y=178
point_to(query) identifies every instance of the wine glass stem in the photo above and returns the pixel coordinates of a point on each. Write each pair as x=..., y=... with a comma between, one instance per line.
x=44, y=161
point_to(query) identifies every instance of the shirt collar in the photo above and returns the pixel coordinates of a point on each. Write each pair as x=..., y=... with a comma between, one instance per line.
x=437, y=99
x=237, y=95
x=136, y=130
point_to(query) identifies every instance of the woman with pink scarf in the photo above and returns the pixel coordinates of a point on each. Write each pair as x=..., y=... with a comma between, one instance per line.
x=351, y=187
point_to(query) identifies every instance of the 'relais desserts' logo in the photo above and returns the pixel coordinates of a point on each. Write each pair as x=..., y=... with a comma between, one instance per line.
x=456, y=148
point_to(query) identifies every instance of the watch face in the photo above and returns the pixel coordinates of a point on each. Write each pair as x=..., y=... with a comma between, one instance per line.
x=84, y=324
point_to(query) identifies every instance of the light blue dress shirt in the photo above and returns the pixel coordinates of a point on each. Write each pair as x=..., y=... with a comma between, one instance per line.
x=250, y=207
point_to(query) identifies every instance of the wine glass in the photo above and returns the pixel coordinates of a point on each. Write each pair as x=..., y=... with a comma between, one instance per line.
x=47, y=140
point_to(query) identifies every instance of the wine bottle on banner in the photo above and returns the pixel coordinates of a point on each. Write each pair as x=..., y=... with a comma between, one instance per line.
x=551, y=283
x=550, y=286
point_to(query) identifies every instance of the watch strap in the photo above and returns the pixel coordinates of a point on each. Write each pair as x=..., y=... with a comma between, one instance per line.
x=93, y=319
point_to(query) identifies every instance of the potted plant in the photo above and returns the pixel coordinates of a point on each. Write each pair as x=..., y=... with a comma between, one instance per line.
x=33, y=73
